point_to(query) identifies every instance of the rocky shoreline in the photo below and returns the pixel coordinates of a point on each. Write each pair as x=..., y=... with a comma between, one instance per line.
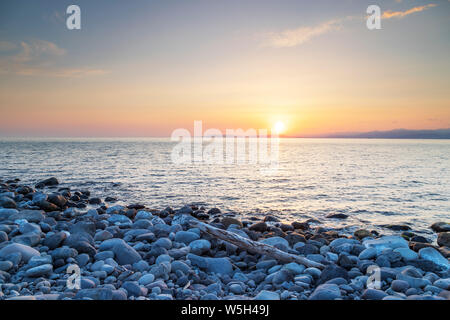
x=131, y=252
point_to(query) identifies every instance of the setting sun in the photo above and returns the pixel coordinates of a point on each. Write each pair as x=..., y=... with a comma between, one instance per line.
x=279, y=127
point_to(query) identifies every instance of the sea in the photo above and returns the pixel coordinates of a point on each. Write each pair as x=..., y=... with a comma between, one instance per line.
x=375, y=182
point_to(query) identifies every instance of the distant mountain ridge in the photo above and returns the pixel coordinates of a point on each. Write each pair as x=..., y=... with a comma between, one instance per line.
x=392, y=134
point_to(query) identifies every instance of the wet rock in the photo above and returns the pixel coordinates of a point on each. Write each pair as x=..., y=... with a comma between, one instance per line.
x=419, y=239
x=47, y=182
x=259, y=226
x=227, y=221
x=382, y=243
x=300, y=225
x=48, y=206
x=57, y=200
x=440, y=226
x=214, y=211
x=95, y=201
x=337, y=216
x=444, y=239
x=361, y=234
x=407, y=254
x=433, y=255
x=398, y=227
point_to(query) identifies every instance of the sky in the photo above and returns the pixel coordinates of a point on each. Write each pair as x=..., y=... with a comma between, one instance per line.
x=145, y=68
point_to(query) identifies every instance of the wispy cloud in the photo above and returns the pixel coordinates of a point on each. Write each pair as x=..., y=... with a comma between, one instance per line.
x=401, y=14
x=37, y=58
x=299, y=36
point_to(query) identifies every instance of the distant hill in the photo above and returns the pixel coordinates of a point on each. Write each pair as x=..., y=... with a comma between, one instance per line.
x=392, y=134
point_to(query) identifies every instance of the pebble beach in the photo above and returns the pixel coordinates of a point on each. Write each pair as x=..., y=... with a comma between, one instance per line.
x=131, y=252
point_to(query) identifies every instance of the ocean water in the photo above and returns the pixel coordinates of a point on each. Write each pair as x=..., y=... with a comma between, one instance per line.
x=374, y=182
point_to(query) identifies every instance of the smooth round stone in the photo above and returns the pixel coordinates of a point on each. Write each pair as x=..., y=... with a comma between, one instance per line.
x=326, y=292
x=29, y=228
x=368, y=253
x=3, y=236
x=373, y=294
x=186, y=237
x=236, y=288
x=97, y=266
x=82, y=259
x=119, y=295
x=103, y=235
x=141, y=266
x=442, y=283
x=39, y=271
x=163, y=243
x=103, y=255
x=107, y=268
x=399, y=285
x=163, y=258
x=407, y=254
x=209, y=296
x=267, y=295
x=86, y=283
x=6, y=265
x=314, y=272
x=181, y=266
x=26, y=251
x=266, y=264
x=200, y=246
x=146, y=279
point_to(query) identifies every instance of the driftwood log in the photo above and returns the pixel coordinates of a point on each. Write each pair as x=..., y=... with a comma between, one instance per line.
x=254, y=246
